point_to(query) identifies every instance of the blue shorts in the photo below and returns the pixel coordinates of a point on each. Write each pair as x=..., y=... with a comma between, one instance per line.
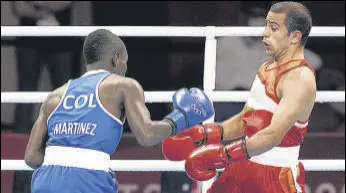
x=58, y=179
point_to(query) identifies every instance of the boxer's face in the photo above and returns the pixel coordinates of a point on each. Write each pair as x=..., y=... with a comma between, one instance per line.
x=275, y=36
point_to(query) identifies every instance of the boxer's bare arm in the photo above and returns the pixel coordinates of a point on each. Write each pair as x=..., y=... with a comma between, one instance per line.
x=34, y=152
x=297, y=91
x=147, y=132
x=233, y=127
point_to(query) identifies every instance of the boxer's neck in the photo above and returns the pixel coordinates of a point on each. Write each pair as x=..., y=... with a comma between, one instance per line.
x=97, y=66
x=292, y=53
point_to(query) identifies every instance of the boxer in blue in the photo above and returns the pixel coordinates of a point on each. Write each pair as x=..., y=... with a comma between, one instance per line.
x=80, y=124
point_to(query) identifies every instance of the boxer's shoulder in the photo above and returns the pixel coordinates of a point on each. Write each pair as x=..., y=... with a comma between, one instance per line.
x=53, y=98
x=118, y=87
x=301, y=75
x=114, y=80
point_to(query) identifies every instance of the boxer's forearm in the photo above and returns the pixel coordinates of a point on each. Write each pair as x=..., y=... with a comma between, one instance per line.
x=35, y=149
x=272, y=135
x=155, y=132
x=233, y=128
x=261, y=142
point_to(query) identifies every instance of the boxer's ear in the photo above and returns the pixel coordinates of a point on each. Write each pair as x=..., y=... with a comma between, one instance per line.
x=115, y=59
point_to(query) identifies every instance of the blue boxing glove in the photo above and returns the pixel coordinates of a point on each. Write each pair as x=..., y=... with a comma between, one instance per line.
x=191, y=107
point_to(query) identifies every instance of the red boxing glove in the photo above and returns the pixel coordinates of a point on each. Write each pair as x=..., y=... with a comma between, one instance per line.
x=203, y=162
x=179, y=147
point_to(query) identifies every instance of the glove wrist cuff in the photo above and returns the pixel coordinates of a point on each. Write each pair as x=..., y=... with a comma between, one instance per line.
x=179, y=120
x=213, y=133
x=221, y=131
x=237, y=152
x=173, y=125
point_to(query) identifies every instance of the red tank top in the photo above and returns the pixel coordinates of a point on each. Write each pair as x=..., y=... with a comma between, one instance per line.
x=263, y=101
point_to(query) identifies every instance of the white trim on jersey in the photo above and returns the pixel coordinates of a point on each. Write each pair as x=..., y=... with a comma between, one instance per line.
x=301, y=125
x=93, y=72
x=100, y=104
x=258, y=98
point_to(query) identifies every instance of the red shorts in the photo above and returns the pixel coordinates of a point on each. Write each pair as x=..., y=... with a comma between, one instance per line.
x=250, y=177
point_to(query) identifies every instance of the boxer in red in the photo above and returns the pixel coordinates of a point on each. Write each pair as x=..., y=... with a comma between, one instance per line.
x=272, y=124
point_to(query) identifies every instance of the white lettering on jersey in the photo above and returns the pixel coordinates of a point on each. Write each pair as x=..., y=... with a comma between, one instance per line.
x=64, y=129
x=78, y=102
x=57, y=129
x=93, y=127
x=64, y=104
x=76, y=128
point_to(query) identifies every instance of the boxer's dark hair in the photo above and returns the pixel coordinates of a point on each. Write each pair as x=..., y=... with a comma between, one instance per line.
x=102, y=44
x=298, y=18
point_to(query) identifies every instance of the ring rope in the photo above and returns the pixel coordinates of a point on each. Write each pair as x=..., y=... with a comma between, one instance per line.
x=166, y=96
x=165, y=165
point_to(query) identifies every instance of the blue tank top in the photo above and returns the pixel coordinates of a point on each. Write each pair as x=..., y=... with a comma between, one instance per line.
x=81, y=121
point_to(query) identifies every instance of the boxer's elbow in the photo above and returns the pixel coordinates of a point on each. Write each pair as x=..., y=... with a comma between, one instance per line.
x=33, y=160
x=32, y=164
x=271, y=138
x=153, y=133
x=145, y=141
x=146, y=137
x=275, y=138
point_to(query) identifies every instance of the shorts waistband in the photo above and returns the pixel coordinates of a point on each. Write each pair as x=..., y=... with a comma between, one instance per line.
x=77, y=157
